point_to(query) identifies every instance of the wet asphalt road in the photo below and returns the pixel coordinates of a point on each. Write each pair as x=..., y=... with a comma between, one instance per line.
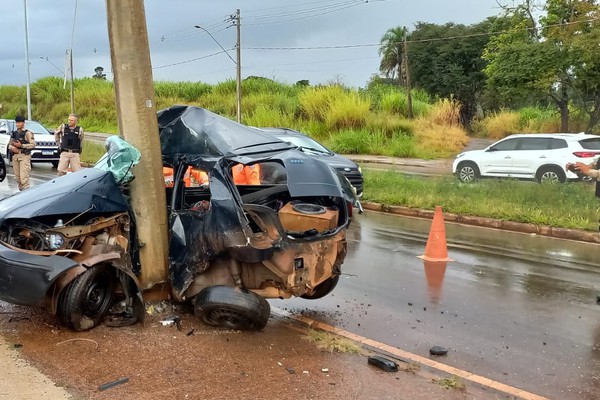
x=515, y=308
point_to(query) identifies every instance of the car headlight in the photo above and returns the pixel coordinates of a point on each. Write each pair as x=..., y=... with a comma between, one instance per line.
x=360, y=170
x=55, y=240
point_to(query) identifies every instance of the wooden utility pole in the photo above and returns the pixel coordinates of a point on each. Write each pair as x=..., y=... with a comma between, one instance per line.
x=238, y=67
x=134, y=94
x=408, y=96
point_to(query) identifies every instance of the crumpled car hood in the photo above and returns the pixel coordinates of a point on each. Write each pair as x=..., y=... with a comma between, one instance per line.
x=69, y=194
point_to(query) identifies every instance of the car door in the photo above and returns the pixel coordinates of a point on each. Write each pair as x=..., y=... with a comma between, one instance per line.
x=497, y=160
x=530, y=154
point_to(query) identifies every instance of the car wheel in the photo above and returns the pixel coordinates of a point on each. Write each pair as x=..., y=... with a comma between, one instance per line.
x=232, y=308
x=323, y=288
x=550, y=175
x=85, y=301
x=54, y=164
x=467, y=172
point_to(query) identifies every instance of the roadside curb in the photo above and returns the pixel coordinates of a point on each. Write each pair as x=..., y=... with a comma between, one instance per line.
x=408, y=357
x=542, y=230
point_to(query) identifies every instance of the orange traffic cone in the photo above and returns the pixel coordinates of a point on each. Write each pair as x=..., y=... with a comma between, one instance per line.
x=436, y=248
x=434, y=273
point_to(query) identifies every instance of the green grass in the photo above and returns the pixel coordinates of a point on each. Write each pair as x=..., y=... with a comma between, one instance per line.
x=330, y=342
x=91, y=152
x=570, y=205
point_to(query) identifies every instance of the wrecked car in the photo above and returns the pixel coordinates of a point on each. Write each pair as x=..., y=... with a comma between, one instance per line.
x=70, y=244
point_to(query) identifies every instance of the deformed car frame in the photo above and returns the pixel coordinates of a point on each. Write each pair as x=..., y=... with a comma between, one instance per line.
x=70, y=244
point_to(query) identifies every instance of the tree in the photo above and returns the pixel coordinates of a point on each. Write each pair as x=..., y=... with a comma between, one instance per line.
x=574, y=27
x=445, y=60
x=556, y=57
x=99, y=73
x=391, y=50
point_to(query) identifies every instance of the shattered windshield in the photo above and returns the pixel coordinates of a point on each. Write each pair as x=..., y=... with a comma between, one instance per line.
x=119, y=159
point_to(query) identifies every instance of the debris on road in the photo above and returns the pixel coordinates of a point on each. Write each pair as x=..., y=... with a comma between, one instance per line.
x=438, y=351
x=113, y=383
x=383, y=363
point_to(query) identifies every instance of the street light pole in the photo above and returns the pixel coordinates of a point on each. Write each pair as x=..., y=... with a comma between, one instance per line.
x=239, y=68
x=27, y=62
x=238, y=85
x=54, y=65
x=71, y=60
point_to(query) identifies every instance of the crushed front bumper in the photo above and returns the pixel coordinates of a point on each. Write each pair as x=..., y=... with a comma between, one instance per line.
x=26, y=278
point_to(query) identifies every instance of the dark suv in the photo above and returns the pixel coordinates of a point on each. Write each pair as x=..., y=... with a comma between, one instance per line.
x=310, y=146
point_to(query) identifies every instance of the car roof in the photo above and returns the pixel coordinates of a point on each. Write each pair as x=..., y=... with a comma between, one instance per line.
x=566, y=136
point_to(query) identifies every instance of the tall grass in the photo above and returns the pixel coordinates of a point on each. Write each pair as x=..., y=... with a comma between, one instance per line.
x=335, y=106
x=567, y=205
x=372, y=120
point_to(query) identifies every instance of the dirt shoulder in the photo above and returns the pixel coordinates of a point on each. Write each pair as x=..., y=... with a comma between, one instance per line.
x=198, y=362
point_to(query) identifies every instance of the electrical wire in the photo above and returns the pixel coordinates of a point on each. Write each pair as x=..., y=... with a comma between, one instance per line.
x=190, y=60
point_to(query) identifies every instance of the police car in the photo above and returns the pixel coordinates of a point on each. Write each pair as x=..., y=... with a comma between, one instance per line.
x=46, y=149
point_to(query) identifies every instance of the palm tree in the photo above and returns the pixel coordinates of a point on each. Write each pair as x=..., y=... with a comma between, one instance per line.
x=391, y=50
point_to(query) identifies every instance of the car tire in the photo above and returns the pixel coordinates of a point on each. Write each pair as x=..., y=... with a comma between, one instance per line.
x=54, y=164
x=323, y=288
x=232, y=308
x=467, y=172
x=550, y=174
x=85, y=301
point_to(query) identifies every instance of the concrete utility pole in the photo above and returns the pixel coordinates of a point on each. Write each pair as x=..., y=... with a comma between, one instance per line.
x=239, y=67
x=134, y=93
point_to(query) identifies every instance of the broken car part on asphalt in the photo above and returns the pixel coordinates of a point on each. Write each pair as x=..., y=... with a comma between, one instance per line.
x=70, y=244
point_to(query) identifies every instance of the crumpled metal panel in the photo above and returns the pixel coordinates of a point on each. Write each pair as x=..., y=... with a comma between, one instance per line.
x=69, y=194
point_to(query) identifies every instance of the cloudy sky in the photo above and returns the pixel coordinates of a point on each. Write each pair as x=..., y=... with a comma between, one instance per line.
x=286, y=40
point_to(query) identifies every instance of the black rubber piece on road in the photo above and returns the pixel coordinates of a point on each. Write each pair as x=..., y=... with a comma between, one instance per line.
x=438, y=351
x=383, y=363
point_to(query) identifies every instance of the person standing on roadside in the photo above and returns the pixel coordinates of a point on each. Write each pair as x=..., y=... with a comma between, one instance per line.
x=21, y=143
x=69, y=138
x=591, y=170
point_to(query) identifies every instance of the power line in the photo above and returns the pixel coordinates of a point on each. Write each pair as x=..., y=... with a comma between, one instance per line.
x=190, y=60
x=308, y=10
x=439, y=39
x=310, y=16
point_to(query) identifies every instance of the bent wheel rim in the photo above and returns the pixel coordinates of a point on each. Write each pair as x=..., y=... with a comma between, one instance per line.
x=96, y=297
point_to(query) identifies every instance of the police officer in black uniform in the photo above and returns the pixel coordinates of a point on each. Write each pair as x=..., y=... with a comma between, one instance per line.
x=69, y=138
x=21, y=143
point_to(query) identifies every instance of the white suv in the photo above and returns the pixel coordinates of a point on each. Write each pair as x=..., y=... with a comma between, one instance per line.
x=538, y=156
x=45, y=150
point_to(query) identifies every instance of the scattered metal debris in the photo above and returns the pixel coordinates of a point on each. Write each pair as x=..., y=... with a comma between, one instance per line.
x=80, y=340
x=438, y=351
x=383, y=363
x=290, y=370
x=113, y=383
x=172, y=320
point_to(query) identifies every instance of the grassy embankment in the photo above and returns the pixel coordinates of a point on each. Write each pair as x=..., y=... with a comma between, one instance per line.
x=369, y=121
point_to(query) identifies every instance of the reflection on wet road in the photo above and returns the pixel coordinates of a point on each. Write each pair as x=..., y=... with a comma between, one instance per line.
x=516, y=308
